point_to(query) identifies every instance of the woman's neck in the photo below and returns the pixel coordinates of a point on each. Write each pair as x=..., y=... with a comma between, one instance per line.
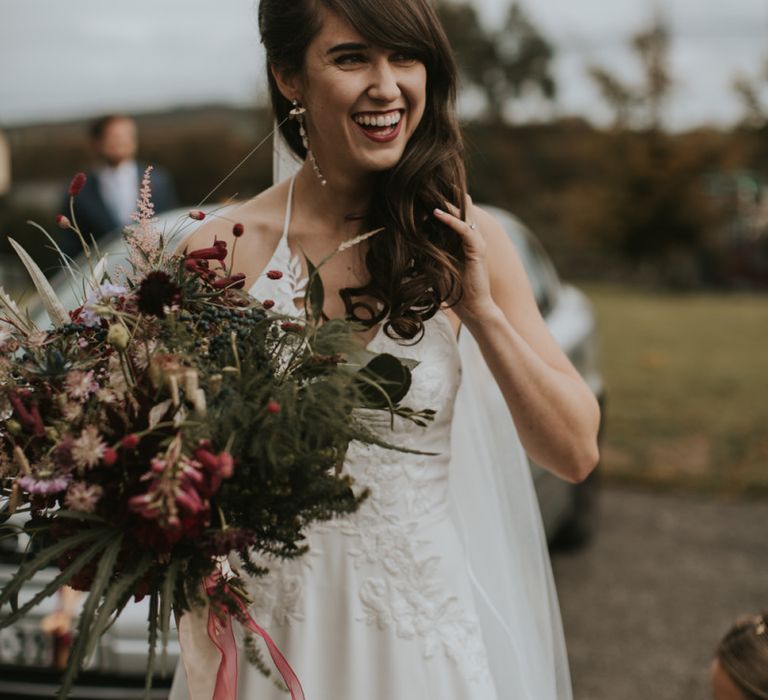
x=336, y=206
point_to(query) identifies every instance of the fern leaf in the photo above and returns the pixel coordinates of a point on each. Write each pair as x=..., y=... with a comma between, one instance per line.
x=61, y=580
x=42, y=559
x=100, y=581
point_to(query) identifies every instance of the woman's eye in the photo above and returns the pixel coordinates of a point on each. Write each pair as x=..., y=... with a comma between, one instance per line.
x=404, y=58
x=349, y=59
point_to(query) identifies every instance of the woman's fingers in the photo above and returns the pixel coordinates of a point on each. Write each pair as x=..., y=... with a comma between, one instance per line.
x=474, y=243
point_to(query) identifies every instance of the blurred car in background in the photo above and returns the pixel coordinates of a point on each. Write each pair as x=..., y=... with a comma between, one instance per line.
x=28, y=655
x=117, y=669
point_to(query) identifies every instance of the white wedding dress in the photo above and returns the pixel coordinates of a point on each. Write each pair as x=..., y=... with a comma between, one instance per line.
x=386, y=604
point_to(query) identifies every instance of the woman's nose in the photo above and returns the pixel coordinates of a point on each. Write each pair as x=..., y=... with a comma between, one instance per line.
x=384, y=84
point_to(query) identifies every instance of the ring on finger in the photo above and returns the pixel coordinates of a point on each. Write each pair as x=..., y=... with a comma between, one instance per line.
x=472, y=225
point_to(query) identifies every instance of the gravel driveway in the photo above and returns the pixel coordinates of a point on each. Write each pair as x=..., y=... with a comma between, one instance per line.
x=646, y=603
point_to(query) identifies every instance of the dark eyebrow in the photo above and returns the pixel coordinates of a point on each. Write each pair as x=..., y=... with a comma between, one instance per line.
x=350, y=46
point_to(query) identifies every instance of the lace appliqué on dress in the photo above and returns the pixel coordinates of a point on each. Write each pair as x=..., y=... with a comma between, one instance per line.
x=409, y=597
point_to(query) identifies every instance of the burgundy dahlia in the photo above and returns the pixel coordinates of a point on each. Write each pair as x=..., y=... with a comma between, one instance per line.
x=157, y=292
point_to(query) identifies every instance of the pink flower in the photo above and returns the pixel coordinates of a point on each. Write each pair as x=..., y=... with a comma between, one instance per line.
x=63, y=222
x=88, y=449
x=145, y=209
x=80, y=385
x=196, y=214
x=43, y=487
x=83, y=497
x=77, y=184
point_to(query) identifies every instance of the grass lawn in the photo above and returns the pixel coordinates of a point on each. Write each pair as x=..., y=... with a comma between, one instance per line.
x=687, y=389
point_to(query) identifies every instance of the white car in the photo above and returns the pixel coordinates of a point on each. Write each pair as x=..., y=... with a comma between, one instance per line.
x=117, y=669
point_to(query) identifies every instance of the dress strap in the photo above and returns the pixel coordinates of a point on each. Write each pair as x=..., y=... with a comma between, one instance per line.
x=288, y=210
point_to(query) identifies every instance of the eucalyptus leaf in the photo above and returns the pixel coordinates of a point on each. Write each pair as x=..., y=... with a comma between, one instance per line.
x=384, y=381
x=314, y=300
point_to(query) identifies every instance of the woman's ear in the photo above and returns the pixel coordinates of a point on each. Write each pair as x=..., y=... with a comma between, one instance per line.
x=289, y=84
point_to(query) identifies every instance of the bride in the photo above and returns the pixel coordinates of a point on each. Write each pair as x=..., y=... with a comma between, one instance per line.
x=440, y=585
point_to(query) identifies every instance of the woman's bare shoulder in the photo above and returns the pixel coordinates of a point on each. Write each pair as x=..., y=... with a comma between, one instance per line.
x=261, y=218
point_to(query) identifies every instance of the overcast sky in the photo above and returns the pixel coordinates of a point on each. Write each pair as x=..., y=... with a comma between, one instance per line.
x=83, y=57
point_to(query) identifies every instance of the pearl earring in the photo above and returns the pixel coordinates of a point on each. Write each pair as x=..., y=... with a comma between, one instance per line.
x=298, y=113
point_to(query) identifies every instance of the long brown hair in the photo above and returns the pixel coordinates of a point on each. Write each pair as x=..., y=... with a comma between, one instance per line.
x=743, y=655
x=416, y=267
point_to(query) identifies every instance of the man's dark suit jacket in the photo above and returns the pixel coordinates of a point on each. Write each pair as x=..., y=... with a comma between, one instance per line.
x=95, y=218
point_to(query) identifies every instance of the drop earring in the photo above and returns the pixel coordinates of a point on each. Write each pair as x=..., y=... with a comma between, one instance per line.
x=298, y=113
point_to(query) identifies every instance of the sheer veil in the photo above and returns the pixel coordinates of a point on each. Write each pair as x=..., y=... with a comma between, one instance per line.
x=495, y=509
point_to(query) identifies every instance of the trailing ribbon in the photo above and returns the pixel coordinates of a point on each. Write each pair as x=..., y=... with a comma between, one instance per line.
x=221, y=634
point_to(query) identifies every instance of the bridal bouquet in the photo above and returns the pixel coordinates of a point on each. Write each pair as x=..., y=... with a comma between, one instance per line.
x=170, y=420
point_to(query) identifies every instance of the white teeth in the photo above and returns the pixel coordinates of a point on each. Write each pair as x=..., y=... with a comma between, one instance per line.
x=378, y=120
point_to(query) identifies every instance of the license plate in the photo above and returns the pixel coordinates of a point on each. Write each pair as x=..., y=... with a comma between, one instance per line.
x=25, y=644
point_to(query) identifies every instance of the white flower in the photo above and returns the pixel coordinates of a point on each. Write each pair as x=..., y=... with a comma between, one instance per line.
x=80, y=385
x=89, y=448
x=83, y=497
x=71, y=411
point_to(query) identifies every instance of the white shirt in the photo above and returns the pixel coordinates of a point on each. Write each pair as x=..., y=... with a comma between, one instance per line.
x=120, y=189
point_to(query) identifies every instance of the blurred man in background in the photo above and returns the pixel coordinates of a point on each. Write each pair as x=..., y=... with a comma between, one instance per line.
x=109, y=197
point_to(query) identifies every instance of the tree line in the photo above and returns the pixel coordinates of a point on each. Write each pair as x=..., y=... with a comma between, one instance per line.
x=631, y=201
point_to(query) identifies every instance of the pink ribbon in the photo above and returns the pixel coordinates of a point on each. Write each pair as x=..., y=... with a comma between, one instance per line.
x=221, y=634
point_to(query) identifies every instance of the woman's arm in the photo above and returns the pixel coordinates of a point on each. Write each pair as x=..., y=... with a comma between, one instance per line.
x=555, y=413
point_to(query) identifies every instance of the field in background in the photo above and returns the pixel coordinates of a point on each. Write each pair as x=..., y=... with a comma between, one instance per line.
x=687, y=383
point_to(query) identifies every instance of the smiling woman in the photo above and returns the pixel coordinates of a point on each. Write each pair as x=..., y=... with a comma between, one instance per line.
x=440, y=585
x=354, y=63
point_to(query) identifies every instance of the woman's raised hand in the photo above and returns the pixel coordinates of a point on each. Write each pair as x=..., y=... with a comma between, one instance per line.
x=477, y=301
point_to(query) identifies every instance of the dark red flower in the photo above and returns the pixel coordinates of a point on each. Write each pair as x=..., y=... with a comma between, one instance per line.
x=268, y=303
x=156, y=292
x=291, y=326
x=273, y=407
x=218, y=251
x=77, y=184
x=236, y=281
x=29, y=417
x=109, y=457
x=274, y=274
x=130, y=442
x=238, y=230
x=196, y=214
